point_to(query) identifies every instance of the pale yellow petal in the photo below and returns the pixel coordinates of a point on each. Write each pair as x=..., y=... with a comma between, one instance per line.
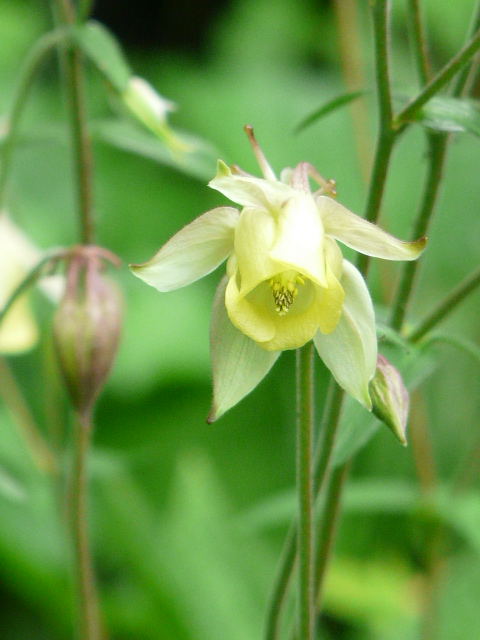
x=18, y=330
x=193, y=252
x=254, y=236
x=251, y=316
x=300, y=238
x=249, y=191
x=363, y=236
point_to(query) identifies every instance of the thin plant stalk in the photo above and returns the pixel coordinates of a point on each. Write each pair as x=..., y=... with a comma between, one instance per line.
x=386, y=136
x=27, y=76
x=437, y=144
x=30, y=432
x=446, y=306
x=88, y=611
x=323, y=452
x=328, y=526
x=72, y=72
x=419, y=41
x=441, y=79
x=305, y=539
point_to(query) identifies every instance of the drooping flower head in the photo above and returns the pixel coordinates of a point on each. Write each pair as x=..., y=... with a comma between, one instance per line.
x=287, y=281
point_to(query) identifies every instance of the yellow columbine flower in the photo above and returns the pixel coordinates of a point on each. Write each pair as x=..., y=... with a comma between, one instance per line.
x=287, y=282
x=18, y=330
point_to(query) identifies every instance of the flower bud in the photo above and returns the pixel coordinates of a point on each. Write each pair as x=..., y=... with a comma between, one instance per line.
x=151, y=109
x=87, y=327
x=390, y=398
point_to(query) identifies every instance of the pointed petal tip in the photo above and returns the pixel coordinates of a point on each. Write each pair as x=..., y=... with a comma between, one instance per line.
x=213, y=415
x=367, y=401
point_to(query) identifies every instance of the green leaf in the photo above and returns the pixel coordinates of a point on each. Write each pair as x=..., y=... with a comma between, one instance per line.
x=380, y=495
x=461, y=511
x=448, y=114
x=358, y=426
x=198, y=162
x=328, y=107
x=102, y=48
x=10, y=487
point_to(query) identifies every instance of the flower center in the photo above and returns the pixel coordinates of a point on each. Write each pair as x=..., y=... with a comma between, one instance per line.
x=284, y=289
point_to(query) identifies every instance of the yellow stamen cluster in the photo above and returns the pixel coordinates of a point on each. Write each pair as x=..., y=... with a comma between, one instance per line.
x=284, y=289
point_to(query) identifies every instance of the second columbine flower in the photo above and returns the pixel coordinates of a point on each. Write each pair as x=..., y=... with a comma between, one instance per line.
x=287, y=282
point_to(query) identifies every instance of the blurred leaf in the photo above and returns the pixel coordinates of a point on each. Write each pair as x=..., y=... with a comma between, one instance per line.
x=458, y=610
x=358, y=426
x=381, y=495
x=103, y=49
x=215, y=586
x=10, y=488
x=461, y=511
x=376, y=594
x=460, y=343
x=328, y=107
x=199, y=162
x=448, y=114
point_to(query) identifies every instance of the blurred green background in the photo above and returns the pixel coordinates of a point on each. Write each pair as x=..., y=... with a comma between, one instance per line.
x=188, y=519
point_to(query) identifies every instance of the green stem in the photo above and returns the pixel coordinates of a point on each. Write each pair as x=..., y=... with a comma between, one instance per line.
x=84, y=9
x=80, y=136
x=306, y=612
x=464, y=81
x=88, y=623
x=437, y=147
x=328, y=525
x=30, y=432
x=446, y=306
x=30, y=68
x=323, y=453
x=386, y=135
x=415, y=19
x=444, y=76
x=82, y=146
x=380, y=16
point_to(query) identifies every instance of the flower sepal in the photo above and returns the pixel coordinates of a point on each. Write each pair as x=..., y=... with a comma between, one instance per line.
x=238, y=363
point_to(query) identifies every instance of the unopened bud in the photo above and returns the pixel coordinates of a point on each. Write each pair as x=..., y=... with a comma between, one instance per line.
x=151, y=109
x=390, y=398
x=87, y=327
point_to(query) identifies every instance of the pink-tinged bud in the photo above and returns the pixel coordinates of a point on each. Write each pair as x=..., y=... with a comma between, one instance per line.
x=390, y=398
x=87, y=327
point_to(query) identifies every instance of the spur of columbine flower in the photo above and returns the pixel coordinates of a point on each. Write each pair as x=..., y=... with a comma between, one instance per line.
x=286, y=283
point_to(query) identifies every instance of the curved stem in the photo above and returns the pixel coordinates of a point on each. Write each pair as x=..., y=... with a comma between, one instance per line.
x=306, y=612
x=442, y=78
x=446, y=306
x=378, y=179
x=30, y=432
x=415, y=19
x=464, y=81
x=30, y=68
x=88, y=623
x=437, y=147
